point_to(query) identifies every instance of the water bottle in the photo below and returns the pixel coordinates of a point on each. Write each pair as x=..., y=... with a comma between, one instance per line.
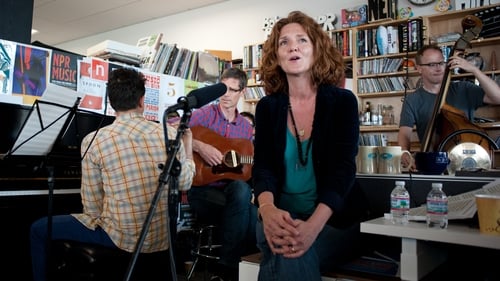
x=400, y=203
x=437, y=207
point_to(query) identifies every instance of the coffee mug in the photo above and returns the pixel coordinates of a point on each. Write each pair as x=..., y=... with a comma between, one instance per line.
x=366, y=159
x=389, y=159
x=431, y=163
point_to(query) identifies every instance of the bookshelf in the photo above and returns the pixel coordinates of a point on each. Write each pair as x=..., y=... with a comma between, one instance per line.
x=252, y=55
x=380, y=72
x=385, y=78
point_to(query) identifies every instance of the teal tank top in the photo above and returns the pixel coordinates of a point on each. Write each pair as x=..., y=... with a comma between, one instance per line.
x=299, y=193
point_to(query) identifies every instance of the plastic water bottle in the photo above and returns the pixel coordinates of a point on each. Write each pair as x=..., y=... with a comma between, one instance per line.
x=437, y=207
x=400, y=203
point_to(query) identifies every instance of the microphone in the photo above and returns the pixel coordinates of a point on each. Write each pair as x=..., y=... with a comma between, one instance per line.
x=199, y=97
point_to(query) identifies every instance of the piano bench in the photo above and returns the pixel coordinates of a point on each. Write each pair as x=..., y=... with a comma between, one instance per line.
x=77, y=261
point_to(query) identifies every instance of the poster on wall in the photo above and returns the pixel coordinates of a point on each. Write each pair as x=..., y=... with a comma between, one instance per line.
x=7, y=55
x=27, y=72
x=30, y=73
x=171, y=89
x=92, y=78
x=64, y=68
x=152, y=95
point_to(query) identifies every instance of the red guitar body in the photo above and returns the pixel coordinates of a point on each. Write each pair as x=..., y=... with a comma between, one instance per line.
x=237, y=162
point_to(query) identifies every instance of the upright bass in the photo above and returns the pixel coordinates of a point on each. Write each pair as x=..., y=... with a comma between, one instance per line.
x=445, y=118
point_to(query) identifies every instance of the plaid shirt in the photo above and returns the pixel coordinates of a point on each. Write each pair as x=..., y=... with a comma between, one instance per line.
x=120, y=176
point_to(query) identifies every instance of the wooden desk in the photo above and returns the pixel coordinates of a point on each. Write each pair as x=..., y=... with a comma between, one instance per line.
x=418, y=256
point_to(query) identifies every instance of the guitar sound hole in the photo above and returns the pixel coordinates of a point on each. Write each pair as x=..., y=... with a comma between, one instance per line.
x=232, y=159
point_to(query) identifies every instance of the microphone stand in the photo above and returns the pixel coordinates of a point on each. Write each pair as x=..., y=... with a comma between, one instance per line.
x=171, y=171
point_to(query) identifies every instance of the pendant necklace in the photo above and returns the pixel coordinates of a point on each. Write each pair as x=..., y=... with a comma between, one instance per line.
x=298, y=135
x=302, y=133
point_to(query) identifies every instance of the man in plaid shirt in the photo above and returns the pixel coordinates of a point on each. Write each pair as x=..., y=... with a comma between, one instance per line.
x=120, y=176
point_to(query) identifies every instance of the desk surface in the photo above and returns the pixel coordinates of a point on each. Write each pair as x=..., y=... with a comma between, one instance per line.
x=455, y=233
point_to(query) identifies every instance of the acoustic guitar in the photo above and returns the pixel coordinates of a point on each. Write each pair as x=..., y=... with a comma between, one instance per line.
x=237, y=161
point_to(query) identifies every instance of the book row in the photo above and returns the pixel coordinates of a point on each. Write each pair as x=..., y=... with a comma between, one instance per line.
x=184, y=63
x=254, y=93
x=373, y=139
x=342, y=41
x=381, y=65
x=252, y=55
x=384, y=84
x=407, y=36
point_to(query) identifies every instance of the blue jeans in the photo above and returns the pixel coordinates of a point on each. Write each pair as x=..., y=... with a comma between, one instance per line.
x=331, y=248
x=230, y=208
x=64, y=227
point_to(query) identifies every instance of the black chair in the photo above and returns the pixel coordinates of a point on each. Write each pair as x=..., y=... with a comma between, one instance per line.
x=77, y=261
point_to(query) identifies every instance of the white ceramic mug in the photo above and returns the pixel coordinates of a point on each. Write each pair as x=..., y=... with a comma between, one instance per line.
x=389, y=159
x=366, y=159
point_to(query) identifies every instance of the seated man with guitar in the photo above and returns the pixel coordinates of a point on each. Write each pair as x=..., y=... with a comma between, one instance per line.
x=222, y=142
x=462, y=95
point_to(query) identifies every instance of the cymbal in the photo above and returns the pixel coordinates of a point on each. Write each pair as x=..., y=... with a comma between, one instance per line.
x=468, y=155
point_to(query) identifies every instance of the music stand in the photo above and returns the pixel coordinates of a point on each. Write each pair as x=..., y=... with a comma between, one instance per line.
x=46, y=120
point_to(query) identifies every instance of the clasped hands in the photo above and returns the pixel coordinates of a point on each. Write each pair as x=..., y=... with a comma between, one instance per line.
x=286, y=236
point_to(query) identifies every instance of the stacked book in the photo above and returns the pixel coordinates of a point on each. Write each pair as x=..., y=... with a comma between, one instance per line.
x=184, y=63
x=116, y=51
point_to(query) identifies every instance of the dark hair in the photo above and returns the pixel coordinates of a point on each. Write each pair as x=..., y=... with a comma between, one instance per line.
x=236, y=73
x=421, y=51
x=328, y=65
x=249, y=115
x=125, y=88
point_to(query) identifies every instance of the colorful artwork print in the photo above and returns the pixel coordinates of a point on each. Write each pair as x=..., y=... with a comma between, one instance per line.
x=7, y=55
x=30, y=71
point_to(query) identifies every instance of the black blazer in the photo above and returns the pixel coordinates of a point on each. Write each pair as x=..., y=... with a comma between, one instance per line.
x=335, y=137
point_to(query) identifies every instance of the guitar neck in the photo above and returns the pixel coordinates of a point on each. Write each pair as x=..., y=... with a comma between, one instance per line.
x=440, y=100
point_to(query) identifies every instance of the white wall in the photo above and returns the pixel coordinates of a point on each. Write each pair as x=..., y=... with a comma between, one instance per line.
x=228, y=25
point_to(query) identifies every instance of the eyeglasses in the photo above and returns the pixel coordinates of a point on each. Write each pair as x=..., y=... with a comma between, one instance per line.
x=434, y=64
x=231, y=90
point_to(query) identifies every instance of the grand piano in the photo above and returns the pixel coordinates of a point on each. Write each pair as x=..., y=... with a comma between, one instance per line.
x=25, y=185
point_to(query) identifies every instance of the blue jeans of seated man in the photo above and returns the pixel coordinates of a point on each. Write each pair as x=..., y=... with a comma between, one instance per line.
x=230, y=208
x=331, y=248
x=64, y=227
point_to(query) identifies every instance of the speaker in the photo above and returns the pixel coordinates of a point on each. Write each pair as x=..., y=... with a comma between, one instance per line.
x=16, y=17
